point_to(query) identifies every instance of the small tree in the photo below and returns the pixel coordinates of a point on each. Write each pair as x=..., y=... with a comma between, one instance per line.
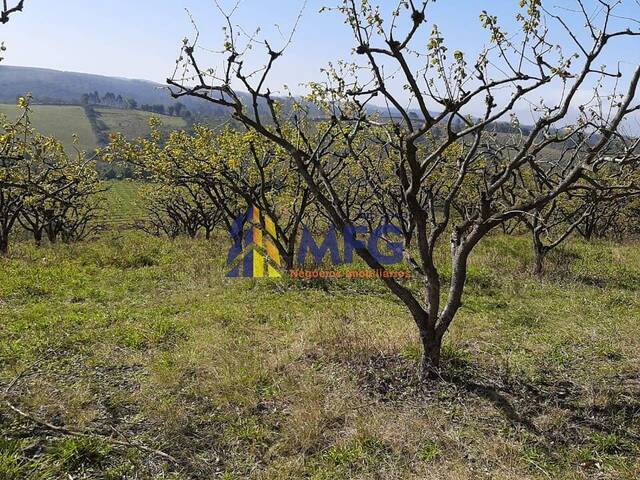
x=62, y=204
x=552, y=225
x=234, y=169
x=175, y=211
x=443, y=156
x=178, y=202
x=16, y=145
x=41, y=187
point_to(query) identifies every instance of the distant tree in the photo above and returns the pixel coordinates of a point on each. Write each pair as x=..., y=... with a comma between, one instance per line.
x=64, y=205
x=131, y=104
x=189, y=164
x=610, y=218
x=109, y=99
x=582, y=207
x=553, y=224
x=175, y=211
x=171, y=110
x=233, y=170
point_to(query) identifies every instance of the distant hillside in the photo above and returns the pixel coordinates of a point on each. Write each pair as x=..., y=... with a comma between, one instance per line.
x=60, y=121
x=63, y=121
x=53, y=86
x=135, y=123
x=58, y=87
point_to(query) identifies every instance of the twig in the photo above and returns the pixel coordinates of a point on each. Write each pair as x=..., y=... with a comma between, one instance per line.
x=79, y=433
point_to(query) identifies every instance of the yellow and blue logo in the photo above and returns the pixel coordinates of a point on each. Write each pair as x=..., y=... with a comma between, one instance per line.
x=254, y=254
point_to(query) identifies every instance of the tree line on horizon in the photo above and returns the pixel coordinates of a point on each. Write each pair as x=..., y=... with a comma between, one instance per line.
x=110, y=99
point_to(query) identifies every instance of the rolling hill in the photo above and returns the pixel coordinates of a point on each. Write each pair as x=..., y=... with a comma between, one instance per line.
x=58, y=87
x=63, y=121
x=135, y=123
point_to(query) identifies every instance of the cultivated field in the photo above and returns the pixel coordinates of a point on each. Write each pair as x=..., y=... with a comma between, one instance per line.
x=123, y=203
x=60, y=121
x=144, y=340
x=135, y=123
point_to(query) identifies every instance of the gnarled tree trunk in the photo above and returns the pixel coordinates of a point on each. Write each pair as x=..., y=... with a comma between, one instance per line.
x=539, y=253
x=37, y=236
x=431, y=346
x=4, y=244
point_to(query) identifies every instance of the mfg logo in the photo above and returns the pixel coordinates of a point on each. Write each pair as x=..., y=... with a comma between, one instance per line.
x=254, y=254
x=350, y=234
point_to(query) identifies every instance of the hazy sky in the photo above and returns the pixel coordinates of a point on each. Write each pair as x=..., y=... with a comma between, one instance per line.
x=141, y=38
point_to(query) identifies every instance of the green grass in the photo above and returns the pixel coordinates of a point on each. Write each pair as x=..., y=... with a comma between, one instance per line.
x=63, y=121
x=134, y=123
x=60, y=121
x=123, y=202
x=281, y=379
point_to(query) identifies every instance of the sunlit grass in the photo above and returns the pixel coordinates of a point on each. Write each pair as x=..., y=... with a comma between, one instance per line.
x=284, y=379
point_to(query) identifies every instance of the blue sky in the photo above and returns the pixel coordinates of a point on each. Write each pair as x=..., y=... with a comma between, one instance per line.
x=141, y=38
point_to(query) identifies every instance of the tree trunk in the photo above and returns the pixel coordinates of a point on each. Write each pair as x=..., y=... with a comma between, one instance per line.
x=588, y=234
x=431, y=357
x=52, y=236
x=4, y=244
x=288, y=262
x=539, y=253
x=37, y=236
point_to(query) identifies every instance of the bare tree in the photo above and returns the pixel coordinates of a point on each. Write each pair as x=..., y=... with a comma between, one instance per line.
x=450, y=173
x=585, y=210
x=552, y=225
x=8, y=8
x=611, y=218
x=175, y=211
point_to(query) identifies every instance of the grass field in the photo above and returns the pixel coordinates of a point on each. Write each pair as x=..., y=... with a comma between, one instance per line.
x=123, y=202
x=63, y=121
x=143, y=339
x=134, y=123
x=60, y=121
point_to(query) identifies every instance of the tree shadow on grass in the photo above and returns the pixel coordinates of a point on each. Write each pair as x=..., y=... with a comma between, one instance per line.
x=609, y=408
